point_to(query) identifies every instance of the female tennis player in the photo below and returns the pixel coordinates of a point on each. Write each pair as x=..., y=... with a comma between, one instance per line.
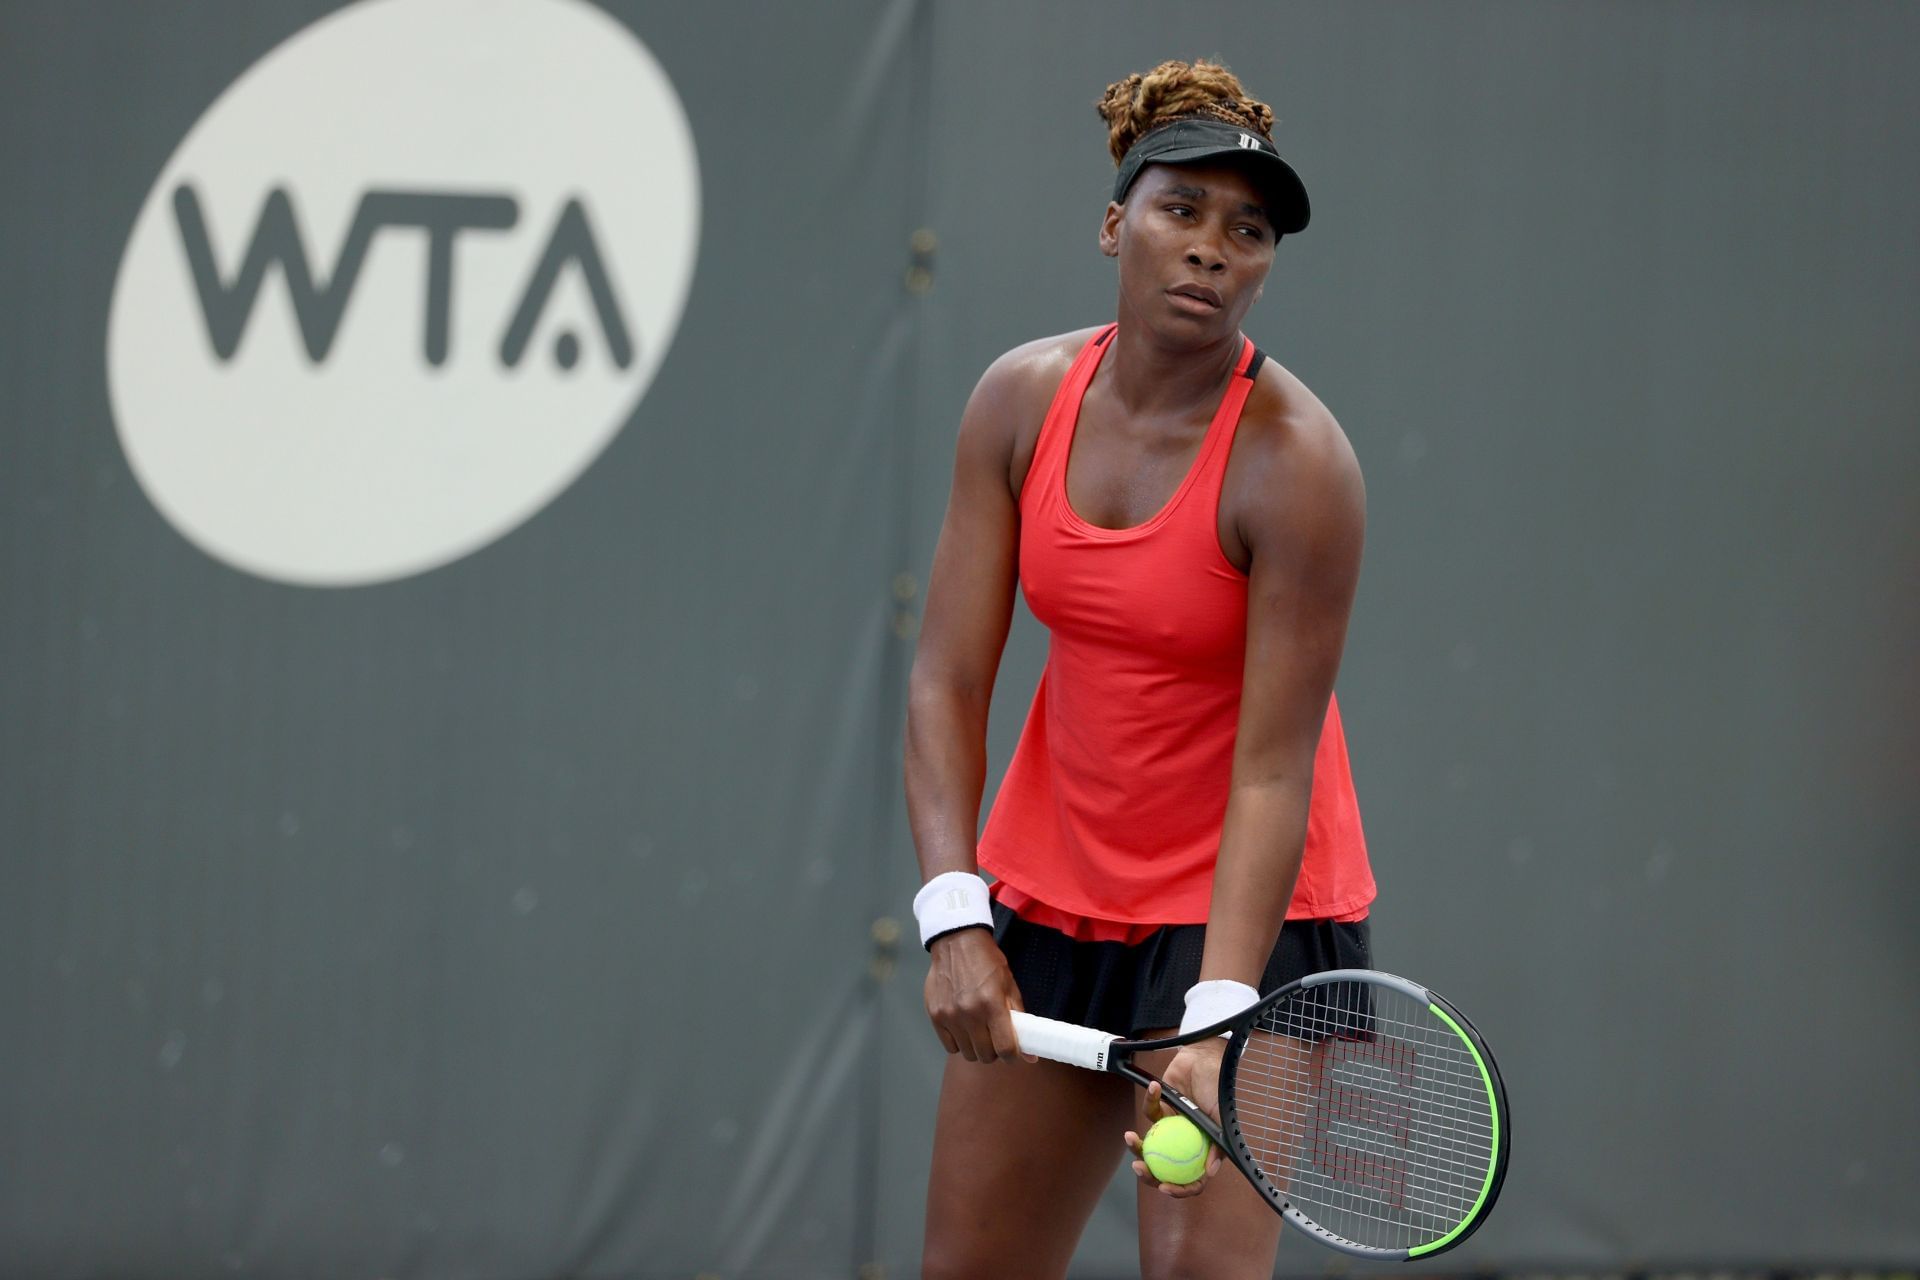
x=1177, y=830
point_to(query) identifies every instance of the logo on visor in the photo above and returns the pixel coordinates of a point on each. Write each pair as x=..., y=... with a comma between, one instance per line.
x=1249, y=143
x=393, y=292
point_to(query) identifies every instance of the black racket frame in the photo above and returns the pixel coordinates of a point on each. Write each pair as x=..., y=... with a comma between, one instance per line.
x=1233, y=1145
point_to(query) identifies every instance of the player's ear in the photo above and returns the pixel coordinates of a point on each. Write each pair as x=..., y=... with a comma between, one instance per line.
x=1110, y=230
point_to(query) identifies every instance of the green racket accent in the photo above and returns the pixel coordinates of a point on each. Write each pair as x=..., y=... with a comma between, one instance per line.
x=1493, y=1156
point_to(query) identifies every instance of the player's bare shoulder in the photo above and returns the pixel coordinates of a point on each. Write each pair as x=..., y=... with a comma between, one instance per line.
x=1010, y=402
x=1292, y=464
x=1295, y=438
x=1031, y=370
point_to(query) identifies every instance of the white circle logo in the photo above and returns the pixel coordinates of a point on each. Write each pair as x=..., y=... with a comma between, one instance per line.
x=401, y=284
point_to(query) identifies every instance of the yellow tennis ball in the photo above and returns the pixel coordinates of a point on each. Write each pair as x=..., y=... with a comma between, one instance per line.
x=1175, y=1150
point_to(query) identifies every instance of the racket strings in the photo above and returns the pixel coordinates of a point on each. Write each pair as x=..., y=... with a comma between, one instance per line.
x=1367, y=1113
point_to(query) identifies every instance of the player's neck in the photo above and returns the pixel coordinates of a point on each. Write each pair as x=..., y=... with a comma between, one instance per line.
x=1152, y=378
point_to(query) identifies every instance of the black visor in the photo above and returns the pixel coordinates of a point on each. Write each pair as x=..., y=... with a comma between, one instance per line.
x=1194, y=140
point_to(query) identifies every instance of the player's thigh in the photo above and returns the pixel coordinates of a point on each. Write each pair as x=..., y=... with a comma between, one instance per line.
x=1225, y=1233
x=1021, y=1153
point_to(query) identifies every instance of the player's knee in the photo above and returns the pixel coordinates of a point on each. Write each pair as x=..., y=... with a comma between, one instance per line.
x=948, y=1254
x=1172, y=1269
x=1186, y=1269
x=1201, y=1261
x=940, y=1261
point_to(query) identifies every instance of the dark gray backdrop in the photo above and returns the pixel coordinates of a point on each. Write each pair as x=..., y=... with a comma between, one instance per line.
x=400, y=930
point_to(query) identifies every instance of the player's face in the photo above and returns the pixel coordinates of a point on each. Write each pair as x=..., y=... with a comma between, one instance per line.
x=1194, y=245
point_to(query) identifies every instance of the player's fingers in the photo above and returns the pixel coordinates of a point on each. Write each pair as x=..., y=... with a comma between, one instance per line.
x=947, y=1041
x=1014, y=1002
x=1005, y=1043
x=1175, y=1190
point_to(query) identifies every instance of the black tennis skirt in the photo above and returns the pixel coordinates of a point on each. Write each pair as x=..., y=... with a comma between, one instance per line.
x=1131, y=990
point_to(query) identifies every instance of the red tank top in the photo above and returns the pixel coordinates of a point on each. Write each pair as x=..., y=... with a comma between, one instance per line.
x=1108, y=821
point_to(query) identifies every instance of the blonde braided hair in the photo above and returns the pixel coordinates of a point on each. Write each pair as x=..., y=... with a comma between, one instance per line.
x=1173, y=91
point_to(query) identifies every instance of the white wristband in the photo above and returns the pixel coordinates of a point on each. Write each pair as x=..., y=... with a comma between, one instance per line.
x=951, y=900
x=1215, y=1001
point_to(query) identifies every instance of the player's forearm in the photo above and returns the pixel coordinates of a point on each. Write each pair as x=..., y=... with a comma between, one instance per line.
x=946, y=773
x=1261, y=842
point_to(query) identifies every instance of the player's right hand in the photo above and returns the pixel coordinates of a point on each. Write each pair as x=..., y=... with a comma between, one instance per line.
x=970, y=993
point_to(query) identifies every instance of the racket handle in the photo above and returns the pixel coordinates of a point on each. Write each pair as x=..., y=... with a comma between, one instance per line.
x=1066, y=1042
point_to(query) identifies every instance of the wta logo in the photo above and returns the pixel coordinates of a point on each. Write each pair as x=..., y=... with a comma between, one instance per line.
x=394, y=292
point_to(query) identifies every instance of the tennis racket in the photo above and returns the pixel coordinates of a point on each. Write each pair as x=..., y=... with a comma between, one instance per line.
x=1365, y=1108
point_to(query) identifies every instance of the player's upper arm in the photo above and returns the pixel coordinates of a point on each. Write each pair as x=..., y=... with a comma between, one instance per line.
x=1305, y=532
x=976, y=564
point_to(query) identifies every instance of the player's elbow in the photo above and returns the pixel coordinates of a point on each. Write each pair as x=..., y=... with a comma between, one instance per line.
x=936, y=691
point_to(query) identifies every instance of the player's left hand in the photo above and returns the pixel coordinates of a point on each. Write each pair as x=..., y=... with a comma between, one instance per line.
x=1195, y=1072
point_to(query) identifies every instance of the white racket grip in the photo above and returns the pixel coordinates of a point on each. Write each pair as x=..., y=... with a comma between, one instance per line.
x=1062, y=1041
